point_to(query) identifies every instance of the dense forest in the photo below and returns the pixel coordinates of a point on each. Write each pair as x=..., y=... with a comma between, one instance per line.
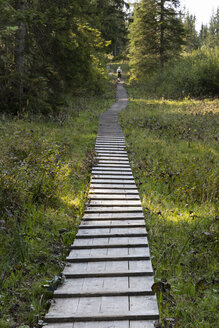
x=49, y=50
x=54, y=83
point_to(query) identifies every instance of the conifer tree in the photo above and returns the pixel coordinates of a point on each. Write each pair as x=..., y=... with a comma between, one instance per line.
x=191, y=35
x=144, y=39
x=203, y=34
x=209, y=35
x=156, y=35
x=213, y=37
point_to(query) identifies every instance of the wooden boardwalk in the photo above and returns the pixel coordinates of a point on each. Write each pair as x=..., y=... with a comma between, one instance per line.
x=108, y=273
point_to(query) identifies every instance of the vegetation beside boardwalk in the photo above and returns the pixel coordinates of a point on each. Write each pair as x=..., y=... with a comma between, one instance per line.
x=173, y=149
x=44, y=175
x=53, y=77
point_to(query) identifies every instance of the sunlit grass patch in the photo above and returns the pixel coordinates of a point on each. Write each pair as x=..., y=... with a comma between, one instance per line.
x=173, y=149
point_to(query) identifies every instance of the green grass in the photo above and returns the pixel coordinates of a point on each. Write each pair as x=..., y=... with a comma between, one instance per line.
x=173, y=149
x=45, y=166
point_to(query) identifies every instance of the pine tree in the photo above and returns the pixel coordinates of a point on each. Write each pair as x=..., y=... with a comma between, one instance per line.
x=209, y=35
x=156, y=35
x=213, y=37
x=170, y=29
x=144, y=39
x=191, y=35
x=203, y=35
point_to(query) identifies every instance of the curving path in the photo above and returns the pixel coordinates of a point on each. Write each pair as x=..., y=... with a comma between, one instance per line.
x=108, y=273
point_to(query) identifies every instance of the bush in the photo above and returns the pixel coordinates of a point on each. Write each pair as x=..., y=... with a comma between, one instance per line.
x=192, y=75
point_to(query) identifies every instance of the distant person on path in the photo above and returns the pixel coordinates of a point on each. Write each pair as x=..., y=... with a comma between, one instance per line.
x=119, y=73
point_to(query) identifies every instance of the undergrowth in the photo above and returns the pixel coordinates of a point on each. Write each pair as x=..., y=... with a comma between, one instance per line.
x=173, y=149
x=192, y=75
x=45, y=168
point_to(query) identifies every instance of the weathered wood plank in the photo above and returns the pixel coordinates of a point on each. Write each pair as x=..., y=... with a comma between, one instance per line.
x=120, y=241
x=107, y=259
x=113, y=165
x=113, y=209
x=105, y=253
x=110, y=172
x=114, y=186
x=109, y=269
x=112, y=181
x=107, y=216
x=115, y=170
x=110, y=152
x=106, y=324
x=103, y=308
x=106, y=246
x=124, y=234
x=111, y=177
x=113, y=157
x=110, y=191
x=114, y=203
x=108, y=159
x=99, y=226
x=103, y=286
x=110, y=223
x=110, y=147
x=113, y=197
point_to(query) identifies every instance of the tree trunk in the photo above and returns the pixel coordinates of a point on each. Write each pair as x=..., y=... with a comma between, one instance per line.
x=19, y=52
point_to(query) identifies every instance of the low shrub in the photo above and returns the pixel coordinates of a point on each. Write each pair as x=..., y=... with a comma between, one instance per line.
x=194, y=74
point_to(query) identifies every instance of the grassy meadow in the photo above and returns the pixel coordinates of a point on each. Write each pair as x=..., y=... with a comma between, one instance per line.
x=173, y=150
x=45, y=166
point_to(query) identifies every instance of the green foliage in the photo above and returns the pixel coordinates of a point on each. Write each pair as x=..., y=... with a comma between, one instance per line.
x=49, y=50
x=191, y=35
x=155, y=36
x=192, y=75
x=212, y=39
x=173, y=149
x=44, y=175
x=110, y=19
x=144, y=41
x=209, y=35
